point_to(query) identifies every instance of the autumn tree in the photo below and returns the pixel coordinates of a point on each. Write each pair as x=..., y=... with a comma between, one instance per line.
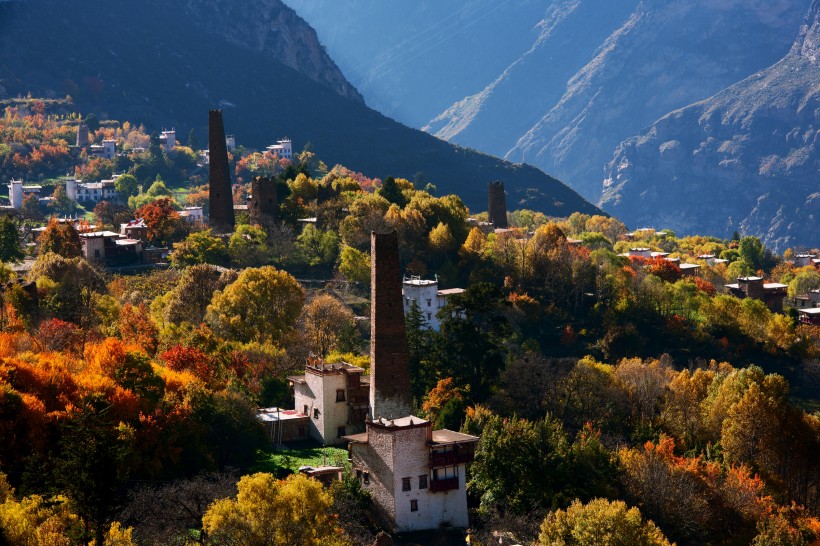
x=162, y=220
x=355, y=265
x=60, y=238
x=270, y=512
x=600, y=522
x=189, y=300
x=261, y=305
x=317, y=247
x=325, y=319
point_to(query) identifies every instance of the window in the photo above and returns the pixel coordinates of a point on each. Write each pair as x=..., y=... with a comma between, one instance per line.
x=429, y=316
x=96, y=253
x=301, y=431
x=315, y=413
x=414, y=505
x=423, y=482
x=340, y=395
x=305, y=409
x=340, y=432
x=358, y=474
x=366, y=478
x=405, y=484
x=429, y=303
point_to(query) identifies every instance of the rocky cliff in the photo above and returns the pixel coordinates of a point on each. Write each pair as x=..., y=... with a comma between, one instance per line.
x=746, y=159
x=273, y=29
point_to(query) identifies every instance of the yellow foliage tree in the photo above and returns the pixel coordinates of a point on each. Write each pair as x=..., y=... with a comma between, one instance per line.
x=271, y=512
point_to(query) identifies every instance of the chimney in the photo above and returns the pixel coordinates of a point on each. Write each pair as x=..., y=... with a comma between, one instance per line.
x=221, y=197
x=389, y=358
x=497, y=205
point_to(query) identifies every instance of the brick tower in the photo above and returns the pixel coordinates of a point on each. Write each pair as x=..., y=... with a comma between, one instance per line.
x=389, y=358
x=221, y=198
x=263, y=205
x=497, y=205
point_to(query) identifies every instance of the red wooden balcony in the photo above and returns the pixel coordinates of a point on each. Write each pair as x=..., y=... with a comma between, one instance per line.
x=451, y=458
x=447, y=484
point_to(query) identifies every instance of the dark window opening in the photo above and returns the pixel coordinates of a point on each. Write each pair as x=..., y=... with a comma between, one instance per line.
x=405, y=484
x=340, y=395
x=414, y=505
x=422, y=482
x=340, y=432
x=315, y=413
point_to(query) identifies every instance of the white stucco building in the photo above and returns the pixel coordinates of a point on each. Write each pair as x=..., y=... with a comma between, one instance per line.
x=416, y=475
x=282, y=148
x=334, y=396
x=428, y=297
x=168, y=139
x=106, y=150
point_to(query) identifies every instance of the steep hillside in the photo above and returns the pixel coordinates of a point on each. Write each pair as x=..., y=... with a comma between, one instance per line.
x=411, y=60
x=747, y=159
x=668, y=54
x=495, y=118
x=166, y=69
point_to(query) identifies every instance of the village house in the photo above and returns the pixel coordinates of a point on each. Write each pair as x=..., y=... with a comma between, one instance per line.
x=772, y=294
x=168, y=140
x=106, y=150
x=18, y=193
x=283, y=148
x=428, y=297
x=109, y=249
x=283, y=426
x=809, y=316
x=802, y=260
x=334, y=396
x=415, y=475
x=809, y=300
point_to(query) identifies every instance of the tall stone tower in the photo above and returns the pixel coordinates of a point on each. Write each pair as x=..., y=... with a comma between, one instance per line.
x=263, y=205
x=389, y=358
x=82, y=135
x=221, y=198
x=497, y=205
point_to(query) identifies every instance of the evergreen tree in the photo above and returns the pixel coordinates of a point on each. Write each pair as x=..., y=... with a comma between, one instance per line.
x=10, y=250
x=392, y=192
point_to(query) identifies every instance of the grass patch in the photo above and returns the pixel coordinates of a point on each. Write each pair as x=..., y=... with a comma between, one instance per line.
x=279, y=462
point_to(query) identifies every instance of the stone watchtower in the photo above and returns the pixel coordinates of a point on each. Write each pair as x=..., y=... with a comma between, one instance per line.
x=221, y=198
x=82, y=135
x=497, y=205
x=389, y=358
x=263, y=205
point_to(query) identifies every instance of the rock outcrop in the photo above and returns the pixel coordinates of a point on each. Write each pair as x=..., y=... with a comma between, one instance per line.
x=746, y=159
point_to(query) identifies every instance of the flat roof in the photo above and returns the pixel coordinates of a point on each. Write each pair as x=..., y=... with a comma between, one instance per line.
x=773, y=285
x=451, y=291
x=357, y=438
x=810, y=311
x=127, y=242
x=99, y=234
x=689, y=266
x=409, y=421
x=278, y=414
x=419, y=282
x=445, y=436
x=750, y=279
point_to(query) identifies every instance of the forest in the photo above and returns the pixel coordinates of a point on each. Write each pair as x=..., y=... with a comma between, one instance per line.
x=612, y=394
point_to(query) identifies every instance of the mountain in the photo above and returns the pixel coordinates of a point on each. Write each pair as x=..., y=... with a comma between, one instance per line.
x=746, y=159
x=166, y=63
x=411, y=60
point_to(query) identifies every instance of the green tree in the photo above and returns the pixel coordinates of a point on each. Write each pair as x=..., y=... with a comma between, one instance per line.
x=193, y=140
x=318, y=247
x=200, y=247
x=126, y=186
x=262, y=305
x=93, y=462
x=355, y=265
x=600, y=522
x=10, y=249
x=60, y=203
x=752, y=252
x=248, y=246
x=392, y=192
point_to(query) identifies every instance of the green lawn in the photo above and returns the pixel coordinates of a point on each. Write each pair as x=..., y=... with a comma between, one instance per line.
x=304, y=454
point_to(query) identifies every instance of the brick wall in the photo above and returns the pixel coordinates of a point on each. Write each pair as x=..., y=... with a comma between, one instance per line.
x=220, y=194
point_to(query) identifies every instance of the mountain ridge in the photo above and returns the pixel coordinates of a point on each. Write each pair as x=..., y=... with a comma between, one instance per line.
x=169, y=71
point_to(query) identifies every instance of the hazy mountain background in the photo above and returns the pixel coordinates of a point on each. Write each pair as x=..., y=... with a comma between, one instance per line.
x=562, y=84
x=746, y=159
x=166, y=63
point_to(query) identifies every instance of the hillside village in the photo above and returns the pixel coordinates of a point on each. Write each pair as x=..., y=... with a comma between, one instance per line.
x=212, y=316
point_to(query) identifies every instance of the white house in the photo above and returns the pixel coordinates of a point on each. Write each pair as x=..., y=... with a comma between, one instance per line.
x=334, y=397
x=168, y=139
x=282, y=148
x=416, y=475
x=106, y=150
x=193, y=215
x=427, y=296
